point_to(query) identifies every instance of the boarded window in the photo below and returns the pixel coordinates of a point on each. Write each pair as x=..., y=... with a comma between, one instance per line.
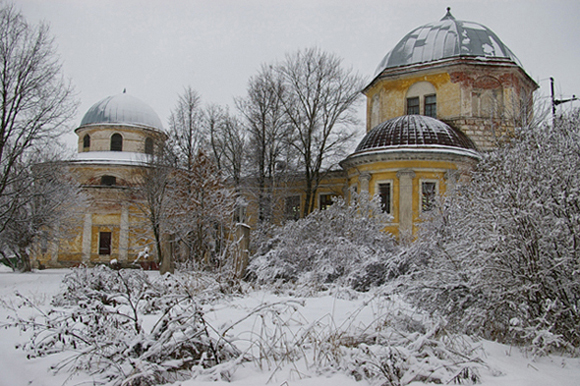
x=385, y=197
x=108, y=180
x=292, y=211
x=412, y=106
x=104, y=243
x=428, y=195
x=431, y=106
x=116, y=142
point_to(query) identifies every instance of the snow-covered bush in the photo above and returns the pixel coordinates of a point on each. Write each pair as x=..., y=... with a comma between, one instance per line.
x=397, y=346
x=126, y=329
x=500, y=258
x=341, y=244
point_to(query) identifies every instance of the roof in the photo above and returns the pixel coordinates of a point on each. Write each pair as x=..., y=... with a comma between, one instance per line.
x=122, y=109
x=111, y=158
x=414, y=131
x=446, y=38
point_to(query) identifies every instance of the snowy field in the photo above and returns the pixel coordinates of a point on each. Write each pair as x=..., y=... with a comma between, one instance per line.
x=337, y=311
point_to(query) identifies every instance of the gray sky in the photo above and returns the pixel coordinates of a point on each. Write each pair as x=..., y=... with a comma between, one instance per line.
x=154, y=48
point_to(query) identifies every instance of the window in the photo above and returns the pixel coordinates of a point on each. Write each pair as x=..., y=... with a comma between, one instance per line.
x=116, y=142
x=413, y=105
x=104, y=243
x=422, y=99
x=431, y=106
x=149, y=146
x=326, y=200
x=86, y=142
x=428, y=195
x=292, y=210
x=108, y=180
x=384, y=192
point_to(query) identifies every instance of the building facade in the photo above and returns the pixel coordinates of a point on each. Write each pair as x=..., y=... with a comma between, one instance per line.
x=446, y=92
x=116, y=138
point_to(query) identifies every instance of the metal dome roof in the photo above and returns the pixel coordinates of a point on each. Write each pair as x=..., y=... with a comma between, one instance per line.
x=122, y=109
x=446, y=39
x=414, y=131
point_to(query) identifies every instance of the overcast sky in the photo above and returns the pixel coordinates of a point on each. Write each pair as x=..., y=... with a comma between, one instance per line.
x=154, y=48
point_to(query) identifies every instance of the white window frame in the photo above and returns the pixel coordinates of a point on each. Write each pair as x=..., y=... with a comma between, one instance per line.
x=421, y=181
x=391, y=184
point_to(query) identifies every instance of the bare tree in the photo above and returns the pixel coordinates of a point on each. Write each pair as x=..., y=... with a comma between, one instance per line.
x=186, y=134
x=268, y=132
x=152, y=195
x=35, y=104
x=227, y=140
x=319, y=100
x=44, y=208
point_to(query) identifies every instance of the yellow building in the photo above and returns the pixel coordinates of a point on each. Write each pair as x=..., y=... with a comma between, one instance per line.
x=447, y=91
x=117, y=135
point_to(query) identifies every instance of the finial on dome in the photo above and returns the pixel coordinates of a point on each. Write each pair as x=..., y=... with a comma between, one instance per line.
x=448, y=15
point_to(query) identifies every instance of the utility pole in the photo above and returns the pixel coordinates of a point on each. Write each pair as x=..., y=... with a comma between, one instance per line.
x=556, y=102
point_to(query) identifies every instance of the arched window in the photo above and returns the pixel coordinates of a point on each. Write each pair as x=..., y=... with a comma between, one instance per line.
x=116, y=142
x=86, y=142
x=422, y=99
x=108, y=180
x=148, y=145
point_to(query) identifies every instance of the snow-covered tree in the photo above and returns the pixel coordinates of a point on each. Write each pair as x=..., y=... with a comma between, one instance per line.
x=45, y=200
x=344, y=244
x=501, y=256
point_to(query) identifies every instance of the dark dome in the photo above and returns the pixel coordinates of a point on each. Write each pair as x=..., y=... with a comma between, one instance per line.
x=417, y=131
x=122, y=109
x=446, y=38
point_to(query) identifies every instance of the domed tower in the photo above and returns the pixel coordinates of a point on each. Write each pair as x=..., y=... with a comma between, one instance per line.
x=457, y=71
x=445, y=92
x=117, y=138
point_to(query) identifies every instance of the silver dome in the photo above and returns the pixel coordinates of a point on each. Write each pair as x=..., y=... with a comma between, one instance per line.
x=446, y=39
x=122, y=109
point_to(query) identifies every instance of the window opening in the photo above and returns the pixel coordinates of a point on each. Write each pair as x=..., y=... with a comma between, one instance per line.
x=104, y=243
x=326, y=200
x=428, y=194
x=108, y=180
x=292, y=208
x=149, y=146
x=385, y=197
x=86, y=142
x=412, y=105
x=431, y=106
x=116, y=142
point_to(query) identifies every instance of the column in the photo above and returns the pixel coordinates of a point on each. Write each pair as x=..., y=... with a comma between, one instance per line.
x=364, y=179
x=124, y=234
x=87, y=236
x=451, y=178
x=405, y=177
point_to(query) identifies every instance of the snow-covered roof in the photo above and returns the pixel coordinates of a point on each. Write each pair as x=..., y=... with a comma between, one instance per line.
x=111, y=158
x=412, y=131
x=122, y=109
x=446, y=38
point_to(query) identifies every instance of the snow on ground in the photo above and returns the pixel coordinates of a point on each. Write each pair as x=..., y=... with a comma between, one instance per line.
x=508, y=366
